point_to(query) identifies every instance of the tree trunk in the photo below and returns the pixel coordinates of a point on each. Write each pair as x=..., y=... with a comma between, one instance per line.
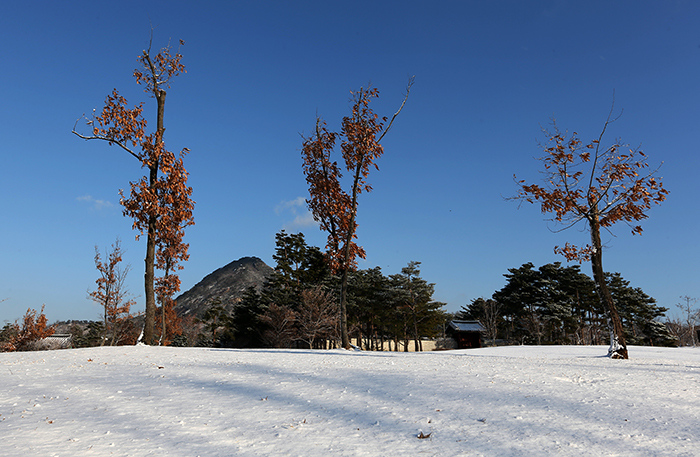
x=149, y=277
x=346, y=260
x=162, y=324
x=618, y=346
x=105, y=329
x=415, y=331
x=164, y=299
x=344, y=340
x=359, y=334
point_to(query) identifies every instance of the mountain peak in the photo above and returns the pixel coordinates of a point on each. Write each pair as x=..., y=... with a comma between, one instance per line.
x=227, y=283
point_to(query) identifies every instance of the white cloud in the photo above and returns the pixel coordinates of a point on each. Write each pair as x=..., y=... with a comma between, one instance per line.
x=95, y=203
x=297, y=208
x=303, y=220
x=290, y=205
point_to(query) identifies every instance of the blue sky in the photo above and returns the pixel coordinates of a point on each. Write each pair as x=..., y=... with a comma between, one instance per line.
x=488, y=76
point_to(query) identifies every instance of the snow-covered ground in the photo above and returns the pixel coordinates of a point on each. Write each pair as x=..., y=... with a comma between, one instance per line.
x=507, y=401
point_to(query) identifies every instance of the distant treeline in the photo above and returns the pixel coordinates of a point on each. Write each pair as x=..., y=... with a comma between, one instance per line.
x=298, y=307
x=559, y=305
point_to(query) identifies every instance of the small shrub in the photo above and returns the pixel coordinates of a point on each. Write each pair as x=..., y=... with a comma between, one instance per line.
x=27, y=337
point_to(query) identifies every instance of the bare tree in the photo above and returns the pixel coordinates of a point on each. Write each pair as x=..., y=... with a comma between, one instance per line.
x=317, y=316
x=491, y=316
x=280, y=322
x=690, y=316
x=676, y=329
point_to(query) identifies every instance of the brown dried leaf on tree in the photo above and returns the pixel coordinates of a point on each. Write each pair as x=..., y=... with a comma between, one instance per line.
x=331, y=206
x=601, y=187
x=160, y=202
x=111, y=294
x=33, y=329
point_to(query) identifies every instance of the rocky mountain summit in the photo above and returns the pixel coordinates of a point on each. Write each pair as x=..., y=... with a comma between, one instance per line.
x=227, y=283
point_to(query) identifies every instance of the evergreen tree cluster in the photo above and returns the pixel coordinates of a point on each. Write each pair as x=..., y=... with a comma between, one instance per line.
x=298, y=306
x=558, y=305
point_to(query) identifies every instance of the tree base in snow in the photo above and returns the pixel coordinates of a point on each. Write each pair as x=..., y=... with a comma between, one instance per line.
x=619, y=353
x=616, y=350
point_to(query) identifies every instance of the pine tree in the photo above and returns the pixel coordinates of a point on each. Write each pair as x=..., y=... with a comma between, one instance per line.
x=415, y=296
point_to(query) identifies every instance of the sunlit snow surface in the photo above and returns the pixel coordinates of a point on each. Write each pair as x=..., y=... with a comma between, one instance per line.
x=522, y=400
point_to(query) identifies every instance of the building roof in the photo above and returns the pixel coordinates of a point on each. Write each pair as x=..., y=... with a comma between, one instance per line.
x=466, y=326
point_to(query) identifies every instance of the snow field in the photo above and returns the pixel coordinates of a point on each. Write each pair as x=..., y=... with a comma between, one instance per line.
x=507, y=401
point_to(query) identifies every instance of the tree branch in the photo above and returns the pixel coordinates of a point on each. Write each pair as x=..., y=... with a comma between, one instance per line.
x=103, y=138
x=608, y=121
x=411, y=80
